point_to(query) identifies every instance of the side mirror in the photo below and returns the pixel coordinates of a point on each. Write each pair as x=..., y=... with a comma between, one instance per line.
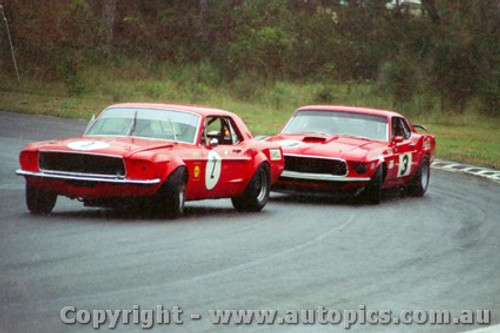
x=398, y=139
x=214, y=142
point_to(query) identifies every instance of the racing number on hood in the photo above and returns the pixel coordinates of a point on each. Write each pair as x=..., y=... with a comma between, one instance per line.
x=87, y=145
x=404, y=165
x=213, y=169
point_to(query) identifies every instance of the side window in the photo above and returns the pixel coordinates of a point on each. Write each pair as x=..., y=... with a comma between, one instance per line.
x=407, y=128
x=222, y=129
x=213, y=128
x=394, y=127
x=235, y=135
x=400, y=127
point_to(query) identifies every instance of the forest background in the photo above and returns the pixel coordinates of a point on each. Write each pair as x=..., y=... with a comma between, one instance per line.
x=261, y=59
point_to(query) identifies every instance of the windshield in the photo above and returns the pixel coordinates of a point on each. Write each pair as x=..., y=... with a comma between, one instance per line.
x=146, y=123
x=339, y=123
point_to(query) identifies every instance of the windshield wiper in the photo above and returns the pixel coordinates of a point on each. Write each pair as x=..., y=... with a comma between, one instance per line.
x=356, y=136
x=134, y=123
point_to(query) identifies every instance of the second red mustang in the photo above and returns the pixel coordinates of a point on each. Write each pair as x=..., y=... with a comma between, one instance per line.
x=352, y=150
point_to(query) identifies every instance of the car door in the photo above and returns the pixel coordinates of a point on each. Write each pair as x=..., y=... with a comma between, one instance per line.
x=402, y=162
x=227, y=161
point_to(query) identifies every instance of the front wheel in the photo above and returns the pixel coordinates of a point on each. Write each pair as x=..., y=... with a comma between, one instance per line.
x=39, y=201
x=170, y=199
x=420, y=182
x=373, y=191
x=256, y=195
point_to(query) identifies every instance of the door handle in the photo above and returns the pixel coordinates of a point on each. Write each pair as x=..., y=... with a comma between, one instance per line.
x=237, y=150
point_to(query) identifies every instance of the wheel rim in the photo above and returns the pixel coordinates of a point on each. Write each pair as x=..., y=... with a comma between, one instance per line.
x=181, y=199
x=424, y=179
x=262, y=186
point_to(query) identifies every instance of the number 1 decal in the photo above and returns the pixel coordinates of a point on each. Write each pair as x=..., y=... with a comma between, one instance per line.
x=213, y=169
x=404, y=167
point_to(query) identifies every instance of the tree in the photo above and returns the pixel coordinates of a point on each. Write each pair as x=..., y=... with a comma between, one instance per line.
x=203, y=20
x=430, y=7
x=109, y=14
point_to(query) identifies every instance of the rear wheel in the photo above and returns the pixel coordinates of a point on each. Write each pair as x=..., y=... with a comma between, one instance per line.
x=420, y=182
x=39, y=201
x=256, y=195
x=373, y=191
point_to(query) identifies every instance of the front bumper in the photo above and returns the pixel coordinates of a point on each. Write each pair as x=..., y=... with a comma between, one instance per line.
x=319, y=184
x=91, y=186
x=321, y=177
x=91, y=178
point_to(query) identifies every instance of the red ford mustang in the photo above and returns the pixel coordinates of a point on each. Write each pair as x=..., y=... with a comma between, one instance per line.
x=352, y=150
x=159, y=155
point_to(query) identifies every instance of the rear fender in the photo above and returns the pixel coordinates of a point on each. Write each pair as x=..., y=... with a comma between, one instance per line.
x=271, y=154
x=259, y=158
x=425, y=147
x=429, y=146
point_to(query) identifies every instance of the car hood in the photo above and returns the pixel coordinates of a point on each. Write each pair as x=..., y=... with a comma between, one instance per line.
x=334, y=146
x=120, y=146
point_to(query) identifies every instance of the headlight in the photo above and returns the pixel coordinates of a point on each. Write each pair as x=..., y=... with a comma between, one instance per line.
x=359, y=167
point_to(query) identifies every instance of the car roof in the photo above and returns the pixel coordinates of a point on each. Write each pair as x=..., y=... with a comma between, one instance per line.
x=201, y=110
x=353, y=109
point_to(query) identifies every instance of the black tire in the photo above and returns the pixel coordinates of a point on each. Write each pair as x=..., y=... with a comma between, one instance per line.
x=39, y=201
x=170, y=198
x=420, y=182
x=256, y=195
x=373, y=191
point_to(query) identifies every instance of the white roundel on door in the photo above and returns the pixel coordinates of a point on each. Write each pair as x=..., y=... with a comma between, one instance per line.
x=404, y=166
x=87, y=145
x=213, y=169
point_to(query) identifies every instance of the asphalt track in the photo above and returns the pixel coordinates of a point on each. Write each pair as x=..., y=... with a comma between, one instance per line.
x=436, y=252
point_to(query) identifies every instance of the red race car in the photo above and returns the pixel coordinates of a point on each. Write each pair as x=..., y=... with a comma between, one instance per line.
x=157, y=155
x=353, y=151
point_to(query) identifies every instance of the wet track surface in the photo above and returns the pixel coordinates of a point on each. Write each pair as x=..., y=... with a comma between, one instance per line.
x=436, y=252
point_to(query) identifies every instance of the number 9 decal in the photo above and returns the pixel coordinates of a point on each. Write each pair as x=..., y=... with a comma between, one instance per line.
x=213, y=169
x=404, y=167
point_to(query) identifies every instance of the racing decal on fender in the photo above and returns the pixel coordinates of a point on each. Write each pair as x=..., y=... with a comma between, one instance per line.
x=404, y=166
x=196, y=172
x=213, y=169
x=289, y=143
x=87, y=145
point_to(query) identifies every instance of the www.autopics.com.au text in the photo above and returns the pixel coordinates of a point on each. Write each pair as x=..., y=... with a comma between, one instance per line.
x=161, y=315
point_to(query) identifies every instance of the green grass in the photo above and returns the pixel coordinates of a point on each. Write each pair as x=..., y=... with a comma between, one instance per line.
x=477, y=144
x=264, y=106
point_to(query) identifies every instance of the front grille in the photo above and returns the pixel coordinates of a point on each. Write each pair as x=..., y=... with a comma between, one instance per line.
x=81, y=163
x=315, y=165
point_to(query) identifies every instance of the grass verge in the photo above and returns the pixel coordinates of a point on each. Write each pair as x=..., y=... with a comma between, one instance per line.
x=264, y=106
